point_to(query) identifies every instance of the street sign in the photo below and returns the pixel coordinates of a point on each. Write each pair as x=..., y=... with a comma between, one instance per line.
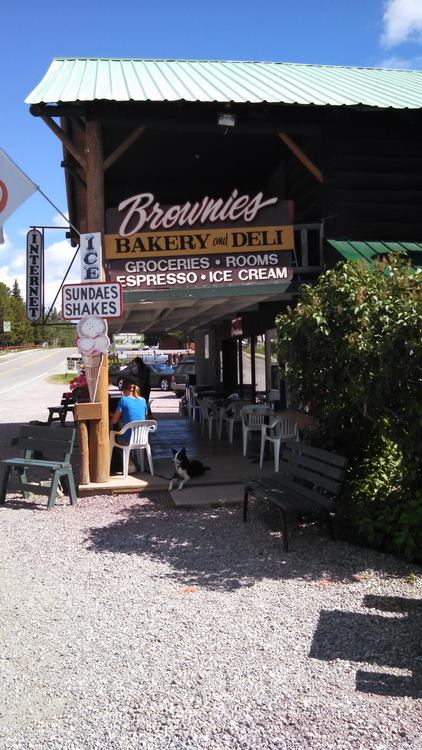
x=102, y=299
x=34, y=275
x=6, y=326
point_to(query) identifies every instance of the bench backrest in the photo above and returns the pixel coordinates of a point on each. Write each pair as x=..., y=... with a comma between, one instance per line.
x=54, y=444
x=318, y=473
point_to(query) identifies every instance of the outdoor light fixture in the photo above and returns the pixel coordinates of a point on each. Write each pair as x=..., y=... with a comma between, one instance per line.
x=227, y=120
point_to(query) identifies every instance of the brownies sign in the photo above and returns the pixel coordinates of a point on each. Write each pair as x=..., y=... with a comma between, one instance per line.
x=212, y=241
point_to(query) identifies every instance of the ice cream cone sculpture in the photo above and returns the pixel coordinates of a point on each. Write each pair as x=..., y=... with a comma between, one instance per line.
x=92, y=343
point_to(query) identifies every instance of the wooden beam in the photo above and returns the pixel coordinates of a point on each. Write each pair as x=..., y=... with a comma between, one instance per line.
x=120, y=150
x=95, y=177
x=69, y=167
x=69, y=145
x=99, y=453
x=297, y=151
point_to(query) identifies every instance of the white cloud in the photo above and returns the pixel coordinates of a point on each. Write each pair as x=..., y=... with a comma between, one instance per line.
x=8, y=278
x=57, y=258
x=58, y=220
x=406, y=63
x=18, y=261
x=6, y=245
x=402, y=21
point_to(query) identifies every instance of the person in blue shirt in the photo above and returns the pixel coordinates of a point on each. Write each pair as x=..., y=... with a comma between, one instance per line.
x=131, y=407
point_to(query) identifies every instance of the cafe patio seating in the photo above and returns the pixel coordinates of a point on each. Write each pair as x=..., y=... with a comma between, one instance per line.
x=208, y=410
x=281, y=428
x=138, y=441
x=229, y=415
x=191, y=402
x=253, y=417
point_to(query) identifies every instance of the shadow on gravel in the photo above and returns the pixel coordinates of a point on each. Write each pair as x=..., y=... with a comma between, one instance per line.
x=214, y=549
x=24, y=505
x=386, y=641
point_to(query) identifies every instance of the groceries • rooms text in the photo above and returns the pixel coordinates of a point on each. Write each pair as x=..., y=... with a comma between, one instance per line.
x=202, y=270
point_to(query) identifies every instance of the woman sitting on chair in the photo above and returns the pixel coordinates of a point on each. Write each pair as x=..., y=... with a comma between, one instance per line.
x=130, y=408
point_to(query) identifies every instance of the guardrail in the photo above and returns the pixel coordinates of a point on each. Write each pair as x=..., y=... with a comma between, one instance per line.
x=17, y=348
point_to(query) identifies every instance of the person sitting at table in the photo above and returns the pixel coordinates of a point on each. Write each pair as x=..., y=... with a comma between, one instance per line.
x=131, y=407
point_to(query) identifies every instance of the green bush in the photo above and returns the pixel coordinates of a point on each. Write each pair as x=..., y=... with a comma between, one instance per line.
x=353, y=347
x=387, y=509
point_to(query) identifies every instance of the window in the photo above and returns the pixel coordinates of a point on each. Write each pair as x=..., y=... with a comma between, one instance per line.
x=260, y=375
x=246, y=361
x=272, y=368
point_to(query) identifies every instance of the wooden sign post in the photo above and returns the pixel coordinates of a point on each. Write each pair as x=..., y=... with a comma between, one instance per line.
x=99, y=460
x=85, y=415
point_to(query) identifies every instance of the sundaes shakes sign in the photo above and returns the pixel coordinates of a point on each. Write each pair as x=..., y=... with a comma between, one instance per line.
x=143, y=210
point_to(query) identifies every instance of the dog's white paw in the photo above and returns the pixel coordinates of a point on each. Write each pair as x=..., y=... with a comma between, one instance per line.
x=180, y=487
x=171, y=485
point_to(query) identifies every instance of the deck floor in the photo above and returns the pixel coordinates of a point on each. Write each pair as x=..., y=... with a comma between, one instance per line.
x=221, y=484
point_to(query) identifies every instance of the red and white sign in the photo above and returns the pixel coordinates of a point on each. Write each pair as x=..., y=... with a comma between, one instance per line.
x=102, y=300
x=15, y=187
x=237, y=327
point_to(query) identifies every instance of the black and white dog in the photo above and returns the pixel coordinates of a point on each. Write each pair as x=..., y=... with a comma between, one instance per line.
x=184, y=469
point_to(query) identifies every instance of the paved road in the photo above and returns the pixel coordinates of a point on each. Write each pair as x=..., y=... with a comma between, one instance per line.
x=24, y=390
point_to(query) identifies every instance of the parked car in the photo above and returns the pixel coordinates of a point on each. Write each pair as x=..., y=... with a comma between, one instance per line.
x=160, y=375
x=179, y=379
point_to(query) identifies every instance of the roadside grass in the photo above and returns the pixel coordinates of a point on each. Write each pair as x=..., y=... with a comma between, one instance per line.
x=60, y=378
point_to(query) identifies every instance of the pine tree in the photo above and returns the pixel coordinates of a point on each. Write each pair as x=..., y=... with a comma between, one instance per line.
x=16, y=292
x=12, y=309
x=5, y=313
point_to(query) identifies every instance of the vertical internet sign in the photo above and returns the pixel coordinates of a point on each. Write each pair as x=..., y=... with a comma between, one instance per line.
x=34, y=275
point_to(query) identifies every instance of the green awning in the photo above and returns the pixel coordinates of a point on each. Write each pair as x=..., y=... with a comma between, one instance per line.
x=140, y=80
x=368, y=250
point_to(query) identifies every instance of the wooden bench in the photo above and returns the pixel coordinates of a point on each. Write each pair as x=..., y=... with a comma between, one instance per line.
x=42, y=448
x=309, y=481
x=66, y=407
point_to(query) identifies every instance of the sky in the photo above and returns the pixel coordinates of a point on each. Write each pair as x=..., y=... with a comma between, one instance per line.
x=368, y=33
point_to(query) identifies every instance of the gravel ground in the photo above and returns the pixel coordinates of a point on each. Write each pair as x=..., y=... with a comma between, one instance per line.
x=128, y=624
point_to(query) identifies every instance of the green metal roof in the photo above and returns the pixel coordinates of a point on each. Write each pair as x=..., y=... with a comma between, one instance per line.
x=368, y=251
x=122, y=80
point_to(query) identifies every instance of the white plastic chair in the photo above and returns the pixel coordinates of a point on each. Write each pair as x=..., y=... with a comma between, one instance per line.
x=191, y=402
x=138, y=441
x=253, y=417
x=228, y=416
x=208, y=414
x=281, y=428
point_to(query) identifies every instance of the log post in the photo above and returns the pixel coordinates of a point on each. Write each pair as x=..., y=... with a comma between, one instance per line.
x=84, y=476
x=98, y=429
x=85, y=414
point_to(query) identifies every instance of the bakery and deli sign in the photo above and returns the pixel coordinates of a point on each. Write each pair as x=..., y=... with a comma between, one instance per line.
x=212, y=241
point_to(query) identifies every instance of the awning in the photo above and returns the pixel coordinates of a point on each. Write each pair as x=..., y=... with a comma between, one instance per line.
x=140, y=80
x=367, y=251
